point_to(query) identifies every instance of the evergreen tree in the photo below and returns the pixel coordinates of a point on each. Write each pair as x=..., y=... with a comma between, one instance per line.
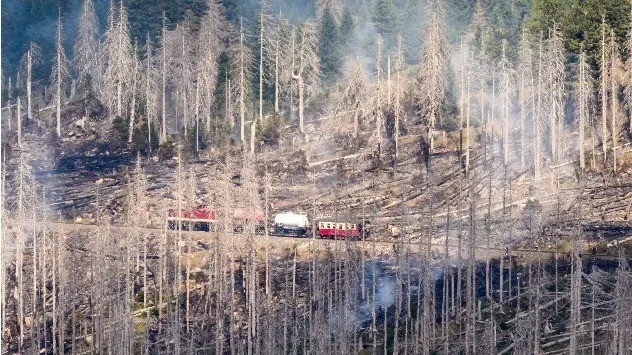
x=328, y=45
x=347, y=26
x=384, y=17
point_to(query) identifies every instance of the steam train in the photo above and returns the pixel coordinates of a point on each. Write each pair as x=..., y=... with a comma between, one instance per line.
x=287, y=224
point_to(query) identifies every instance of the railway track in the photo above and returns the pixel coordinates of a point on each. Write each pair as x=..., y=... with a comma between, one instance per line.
x=378, y=245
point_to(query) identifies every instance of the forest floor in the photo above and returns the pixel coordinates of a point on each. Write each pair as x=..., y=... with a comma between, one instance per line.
x=334, y=176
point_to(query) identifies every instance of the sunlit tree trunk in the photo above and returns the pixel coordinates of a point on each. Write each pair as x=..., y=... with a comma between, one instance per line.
x=538, y=113
x=163, y=129
x=19, y=122
x=242, y=86
x=132, y=115
x=604, y=79
x=583, y=97
x=61, y=72
x=399, y=67
x=149, y=93
x=615, y=68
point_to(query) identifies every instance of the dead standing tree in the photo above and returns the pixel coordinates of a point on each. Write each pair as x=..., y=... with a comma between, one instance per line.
x=86, y=47
x=603, y=78
x=282, y=57
x=507, y=75
x=209, y=49
x=241, y=71
x=556, y=91
x=266, y=42
x=378, y=110
x=622, y=341
x=583, y=98
x=251, y=202
x=180, y=49
x=150, y=91
x=525, y=90
x=163, y=65
x=353, y=98
x=119, y=60
x=134, y=90
x=29, y=60
x=432, y=78
x=627, y=92
x=305, y=66
x=399, y=90
x=616, y=74
x=59, y=76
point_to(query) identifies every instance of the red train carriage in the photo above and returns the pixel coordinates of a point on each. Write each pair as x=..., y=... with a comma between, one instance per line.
x=204, y=219
x=199, y=218
x=329, y=229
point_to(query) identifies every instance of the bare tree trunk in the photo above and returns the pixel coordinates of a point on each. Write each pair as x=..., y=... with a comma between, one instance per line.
x=58, y=93
x=276, y=72
x=197, y=113
x=132, y=115
x=34, y=276
x=523, y=113
x=467, y=126
x=445, y=329
x=388, y=81
x=583, y=97
x=537, y=115
x=145, y=291
x=184, y=91
x=163, y=132
x=378, y=87
x=301, y=103
x=54, y=295
x=462, y=84
x=29, y=74
x=604, y=73
x=261, y=29
x=253, y=132
x=242, y=87
x=613, y=100
x=398, y=89
x=148, y=116
x=19, y=119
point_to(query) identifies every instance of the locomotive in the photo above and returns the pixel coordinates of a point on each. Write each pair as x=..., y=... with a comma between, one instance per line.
x=201, y=218
x=198, y=218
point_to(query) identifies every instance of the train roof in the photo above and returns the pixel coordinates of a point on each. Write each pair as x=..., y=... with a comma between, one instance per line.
x=340, y=219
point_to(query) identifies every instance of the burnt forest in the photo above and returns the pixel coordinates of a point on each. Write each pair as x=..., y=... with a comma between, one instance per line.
x=316, y=177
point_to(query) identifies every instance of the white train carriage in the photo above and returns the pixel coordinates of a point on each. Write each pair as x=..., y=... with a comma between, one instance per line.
x=291, y=224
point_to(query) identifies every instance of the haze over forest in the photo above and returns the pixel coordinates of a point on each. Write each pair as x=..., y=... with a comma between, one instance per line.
x=316, y=177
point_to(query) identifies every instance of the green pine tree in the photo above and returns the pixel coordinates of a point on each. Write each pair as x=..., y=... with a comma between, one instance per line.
x=384, y=17
x=329, y=45
x=347, y=26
